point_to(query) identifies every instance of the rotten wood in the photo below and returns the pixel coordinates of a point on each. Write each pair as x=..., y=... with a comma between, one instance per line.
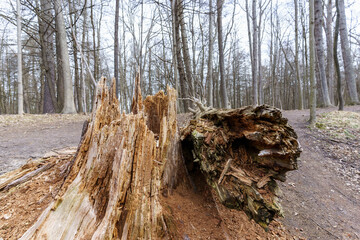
x=262, y=148
x=123, y=165
x=111, y=187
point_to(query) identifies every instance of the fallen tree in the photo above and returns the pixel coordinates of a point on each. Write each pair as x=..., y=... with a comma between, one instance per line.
x=113, y=186
x=242, y=152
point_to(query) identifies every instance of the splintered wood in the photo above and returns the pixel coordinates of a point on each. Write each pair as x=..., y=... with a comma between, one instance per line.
x=241, y=152
x=114, y=185
x=122, y=165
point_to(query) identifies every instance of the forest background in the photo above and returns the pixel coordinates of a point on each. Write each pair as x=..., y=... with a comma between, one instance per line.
x=225, y=53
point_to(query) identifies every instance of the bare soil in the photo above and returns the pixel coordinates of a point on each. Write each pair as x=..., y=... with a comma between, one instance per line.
x=321, y=200
x=31, y=136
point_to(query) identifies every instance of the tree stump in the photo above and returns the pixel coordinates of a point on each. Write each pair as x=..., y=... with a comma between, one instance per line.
x=122, y=164
x=113, y=185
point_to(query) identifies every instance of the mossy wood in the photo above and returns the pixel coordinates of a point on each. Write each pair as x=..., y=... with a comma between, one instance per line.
x=112, y=187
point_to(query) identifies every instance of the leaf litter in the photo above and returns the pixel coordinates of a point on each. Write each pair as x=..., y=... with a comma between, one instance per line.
x=339, y=132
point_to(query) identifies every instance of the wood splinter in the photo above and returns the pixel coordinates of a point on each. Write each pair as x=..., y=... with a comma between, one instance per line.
x=226, y=168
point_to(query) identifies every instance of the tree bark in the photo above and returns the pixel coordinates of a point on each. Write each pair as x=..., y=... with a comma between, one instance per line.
x=46, y=32
x=330, y=49
x=180, y=64
x=59, y=71
x=69, y=105
x=254, y=54
x=116, y=48
x=336, y=59
x=185, y=48
x=77, y=75
x=223, y=95
x=20, y=98
x=297, y=67
x=95, y=57
x=84, y=65
x=312, y=98
x=346, y=53
x=174, y=53
x=320, y=51
x=209, y=77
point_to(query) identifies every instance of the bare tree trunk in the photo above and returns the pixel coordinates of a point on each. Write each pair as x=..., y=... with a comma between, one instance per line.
x=254, y=54
x=180, y=64
x=336, y=59
x=69, y=106
x=19, y=59
x=77, y=79
x=116, y=48
x=98, y=40
x=312, y=99
x=223, y=95
x=123, y=82
x=185, y=48
x=330, y=50
x=247, y=10
x=174, y=54
x=150, y=91
x=141, y=44
x=210, y=99
x=320, y=51
x=262, y=7
x=46, y=32
x=305, y=57
x=84, y=69
x=59, y=70
x=95, y=57
x=346, y=53
x=297, y=68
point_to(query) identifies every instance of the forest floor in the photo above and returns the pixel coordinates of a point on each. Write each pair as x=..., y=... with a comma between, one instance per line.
x=321, y=200
x=31, y=136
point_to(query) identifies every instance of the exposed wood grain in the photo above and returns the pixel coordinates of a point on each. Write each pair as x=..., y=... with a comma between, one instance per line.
x=263, y=148
x=122, y=166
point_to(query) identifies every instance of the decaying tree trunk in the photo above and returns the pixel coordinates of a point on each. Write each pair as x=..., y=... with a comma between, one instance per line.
x=123, y=163
x=112, y=187
x=241, y=152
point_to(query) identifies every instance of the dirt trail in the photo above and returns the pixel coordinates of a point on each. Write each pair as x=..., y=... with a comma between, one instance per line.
x=34, y=135
x=317, y=199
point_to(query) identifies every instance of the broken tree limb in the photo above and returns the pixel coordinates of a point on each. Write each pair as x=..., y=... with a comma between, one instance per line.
x=241, y=152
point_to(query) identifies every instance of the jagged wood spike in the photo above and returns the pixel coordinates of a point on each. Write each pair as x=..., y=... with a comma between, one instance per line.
x=122, y=165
